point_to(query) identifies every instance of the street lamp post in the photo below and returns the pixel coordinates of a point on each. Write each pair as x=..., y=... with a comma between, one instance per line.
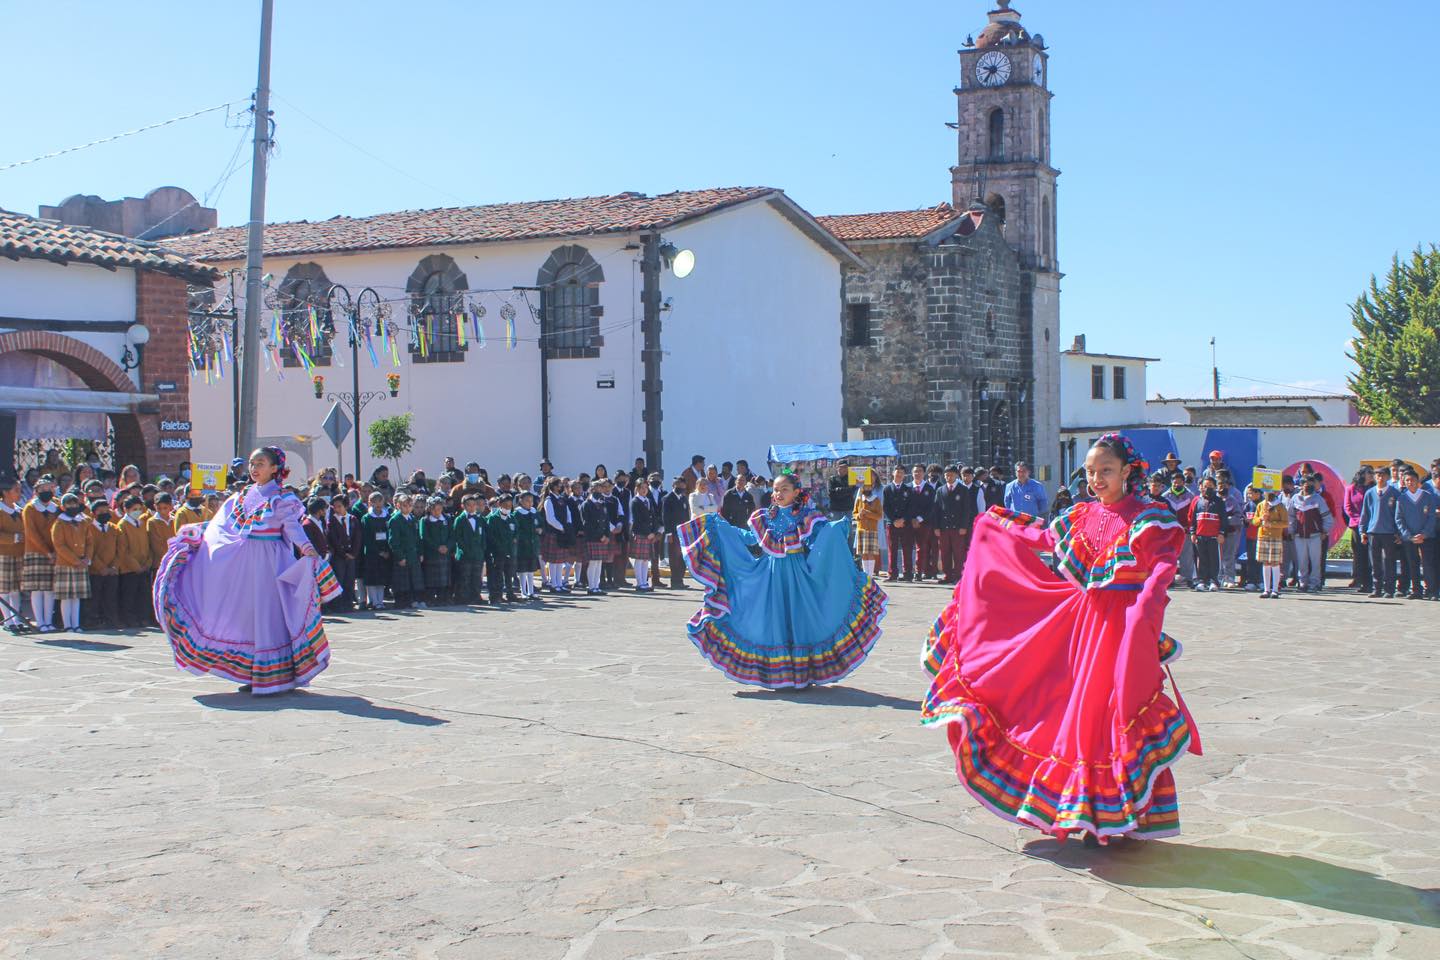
x=352, y=310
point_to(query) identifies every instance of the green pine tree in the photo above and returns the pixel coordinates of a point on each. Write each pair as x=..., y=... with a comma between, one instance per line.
x=1397, y=350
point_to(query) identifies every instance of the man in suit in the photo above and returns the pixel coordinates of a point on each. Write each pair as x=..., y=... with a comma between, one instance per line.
x=897, y=504
x=737, y=506
x=693, y=474
x=922, y=526
x=675, y=510
x=960, y=501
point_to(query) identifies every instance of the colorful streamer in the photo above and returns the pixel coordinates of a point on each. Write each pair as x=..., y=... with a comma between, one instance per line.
x=460, y=328
x=510, y=332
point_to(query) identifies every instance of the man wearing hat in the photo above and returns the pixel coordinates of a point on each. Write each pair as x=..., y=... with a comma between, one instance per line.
x=1171, y=469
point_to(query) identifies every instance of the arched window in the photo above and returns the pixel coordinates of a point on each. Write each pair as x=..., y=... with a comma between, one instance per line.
x=437, y=306
x=1047, y=249
x=996, y=203
x=997, y=134
x=305, y=288
x=570, y=285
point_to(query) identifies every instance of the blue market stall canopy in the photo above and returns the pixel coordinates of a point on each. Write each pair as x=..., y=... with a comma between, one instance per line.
x=847, y=450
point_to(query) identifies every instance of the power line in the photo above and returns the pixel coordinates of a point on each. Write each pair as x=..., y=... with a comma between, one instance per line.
x=1308, y=391
x=355, y=146
x=119, y=136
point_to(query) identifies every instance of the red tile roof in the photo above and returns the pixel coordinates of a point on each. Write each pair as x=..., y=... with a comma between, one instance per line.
x=894, y=225
x=30, y=238
x=619, y=213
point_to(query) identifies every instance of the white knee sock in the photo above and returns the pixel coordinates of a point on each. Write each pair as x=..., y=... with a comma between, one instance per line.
x=642, y=573
x=375, y=596
x=42, y=603
x=527, y=583
x=12, y=601
x=868, y=566
x=592, y=573
x=70, y=613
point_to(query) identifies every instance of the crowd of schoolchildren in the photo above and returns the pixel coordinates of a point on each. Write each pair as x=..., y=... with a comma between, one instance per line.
x=85, y=541
x=1263, y=541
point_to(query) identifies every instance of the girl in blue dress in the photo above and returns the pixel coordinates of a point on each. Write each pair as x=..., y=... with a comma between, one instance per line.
x=800, y=614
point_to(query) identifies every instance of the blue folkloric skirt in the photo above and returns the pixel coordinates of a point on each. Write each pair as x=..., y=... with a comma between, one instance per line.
x=777, y=622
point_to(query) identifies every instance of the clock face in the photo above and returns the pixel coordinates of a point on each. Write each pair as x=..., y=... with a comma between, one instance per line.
x=993, y=69
x=1037, y=72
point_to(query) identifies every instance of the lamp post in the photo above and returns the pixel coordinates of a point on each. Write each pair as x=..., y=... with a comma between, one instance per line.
x=338, y=300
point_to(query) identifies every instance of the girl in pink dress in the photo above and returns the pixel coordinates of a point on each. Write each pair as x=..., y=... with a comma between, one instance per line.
x=1051, y=688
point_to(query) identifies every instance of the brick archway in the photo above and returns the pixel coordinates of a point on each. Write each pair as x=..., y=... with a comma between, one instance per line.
x=135, y=434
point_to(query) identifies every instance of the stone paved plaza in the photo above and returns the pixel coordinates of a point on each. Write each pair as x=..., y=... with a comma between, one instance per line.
x=573, y=782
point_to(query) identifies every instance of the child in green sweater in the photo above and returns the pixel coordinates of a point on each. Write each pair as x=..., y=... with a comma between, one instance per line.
x=527, y=545
x=407, y=578
x=500, y=530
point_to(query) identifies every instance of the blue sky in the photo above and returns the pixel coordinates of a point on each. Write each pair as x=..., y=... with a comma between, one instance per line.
x=1228, y=169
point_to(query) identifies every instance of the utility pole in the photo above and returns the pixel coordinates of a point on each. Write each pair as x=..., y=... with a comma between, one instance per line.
x=250, y=368
x=1214, y=372
x=650, y=352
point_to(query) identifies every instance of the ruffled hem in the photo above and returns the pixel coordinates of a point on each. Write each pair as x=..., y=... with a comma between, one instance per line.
x=1130, y=793
x=717, y=643
x=838, y=659
x=306, y=656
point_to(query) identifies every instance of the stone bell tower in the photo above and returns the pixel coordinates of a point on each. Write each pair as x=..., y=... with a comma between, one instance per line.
x=1003, y=129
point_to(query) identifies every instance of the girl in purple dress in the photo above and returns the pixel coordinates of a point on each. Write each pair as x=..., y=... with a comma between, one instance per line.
x=232, y=597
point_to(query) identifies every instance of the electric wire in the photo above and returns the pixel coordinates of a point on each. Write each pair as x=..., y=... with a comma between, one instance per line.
x=119, y=136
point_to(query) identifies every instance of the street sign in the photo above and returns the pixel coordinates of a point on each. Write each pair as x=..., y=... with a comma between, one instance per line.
x=166, y=386
x=175, y=426
x=336, y=425
x=174, y=443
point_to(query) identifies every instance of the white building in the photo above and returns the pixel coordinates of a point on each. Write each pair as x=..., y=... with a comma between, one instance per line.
x=1097, y=390
x=751, y=339
x=1298, y=410
x=1102, y=393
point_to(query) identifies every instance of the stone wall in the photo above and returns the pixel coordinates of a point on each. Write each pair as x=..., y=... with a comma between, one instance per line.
x=885, y=381
x=949, y=373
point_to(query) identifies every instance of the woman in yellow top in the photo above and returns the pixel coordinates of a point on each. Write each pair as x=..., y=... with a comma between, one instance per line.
x=1273, y=520
x=12, y=553
x=867, y=515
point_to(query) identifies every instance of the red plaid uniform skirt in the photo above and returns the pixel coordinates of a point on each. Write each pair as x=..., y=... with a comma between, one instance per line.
x=595, y=550
x=550, y=550
x=643, y=550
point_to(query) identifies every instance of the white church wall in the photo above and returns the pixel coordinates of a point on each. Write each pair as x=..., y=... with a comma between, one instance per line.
x=752, y=342
x=485, y=408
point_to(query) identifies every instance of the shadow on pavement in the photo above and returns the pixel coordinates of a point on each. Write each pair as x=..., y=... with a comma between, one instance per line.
x=1273, y=875
x=304, y=700
x=98, y=646
x=832, y=697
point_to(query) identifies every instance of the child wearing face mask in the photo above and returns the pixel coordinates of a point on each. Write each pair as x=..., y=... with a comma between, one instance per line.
x=1271, y=520
x=37, y=575
x=527, y=544
x=134, y=562
x=500, y=528
x=73, y=537
x=103, y=608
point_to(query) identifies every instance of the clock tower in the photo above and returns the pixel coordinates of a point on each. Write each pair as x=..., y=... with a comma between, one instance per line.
x=1003, y=129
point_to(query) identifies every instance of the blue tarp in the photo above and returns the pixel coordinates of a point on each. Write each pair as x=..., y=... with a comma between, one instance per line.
x=1241, y=446
x=856, y=449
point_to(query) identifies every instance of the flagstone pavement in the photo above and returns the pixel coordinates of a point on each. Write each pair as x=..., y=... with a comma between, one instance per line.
x=574, y=782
